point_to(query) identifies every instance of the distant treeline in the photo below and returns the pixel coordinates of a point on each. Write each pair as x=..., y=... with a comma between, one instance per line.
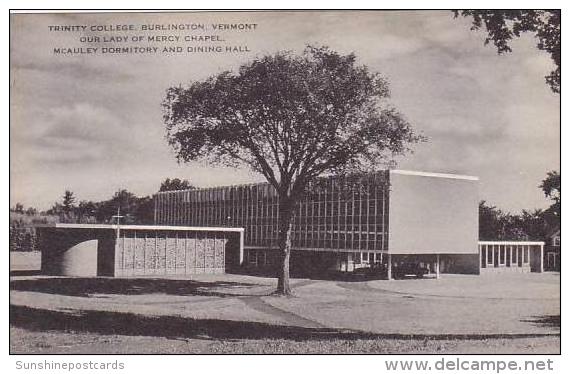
x=494, y=224
x=133, y=209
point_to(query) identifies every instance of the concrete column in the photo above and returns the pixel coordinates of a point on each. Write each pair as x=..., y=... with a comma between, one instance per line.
x=542, y=258
x=437, y=266
x=389, y=272
x=528, y=254
x=241, y=245
x=480, y=265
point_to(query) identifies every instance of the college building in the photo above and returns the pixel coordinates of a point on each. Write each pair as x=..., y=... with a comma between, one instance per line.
x=392, y=217
x=394, y=221
x=90, y=250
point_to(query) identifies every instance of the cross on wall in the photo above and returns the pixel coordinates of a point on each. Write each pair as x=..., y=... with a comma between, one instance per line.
x=118, y=216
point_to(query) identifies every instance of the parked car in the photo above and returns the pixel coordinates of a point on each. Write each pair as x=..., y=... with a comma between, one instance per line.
x=374, y=271
x=409, y=269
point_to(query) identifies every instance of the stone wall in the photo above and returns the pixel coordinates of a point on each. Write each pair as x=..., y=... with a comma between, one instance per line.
x=140, y=252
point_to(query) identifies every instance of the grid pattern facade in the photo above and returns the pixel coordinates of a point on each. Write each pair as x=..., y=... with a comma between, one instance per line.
x=336, y=213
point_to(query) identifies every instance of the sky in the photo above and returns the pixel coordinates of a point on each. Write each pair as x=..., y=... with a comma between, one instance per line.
x=92, y=122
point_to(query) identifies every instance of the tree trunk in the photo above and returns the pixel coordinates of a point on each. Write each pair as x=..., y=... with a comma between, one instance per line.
x=286, y=210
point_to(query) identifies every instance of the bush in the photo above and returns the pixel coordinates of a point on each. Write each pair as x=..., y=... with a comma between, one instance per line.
x=23, y=237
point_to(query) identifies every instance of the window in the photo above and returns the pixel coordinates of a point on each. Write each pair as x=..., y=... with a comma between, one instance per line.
x=515, y=259
x=365, y=257
x=252, y=255
x=556, y=241
x=502, y=255
x=357, y=258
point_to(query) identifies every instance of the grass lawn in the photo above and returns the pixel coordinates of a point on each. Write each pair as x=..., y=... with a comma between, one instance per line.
x=516, y=313
x=48, y=342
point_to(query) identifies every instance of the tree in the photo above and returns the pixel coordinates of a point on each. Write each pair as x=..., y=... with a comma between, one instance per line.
x=55, y=210
x=290, y=118
x=18, y=208
x=534, y=224
x=86, y=211
x=503, y=25
x=494, y=224
x=68, y=200
x=144, y=210
x=133, y=209
x=175, y=184
x=125, y=201
x=64, y=210
x=552, y=188
x=31, y=211
x=68, y=205
x=491, y=225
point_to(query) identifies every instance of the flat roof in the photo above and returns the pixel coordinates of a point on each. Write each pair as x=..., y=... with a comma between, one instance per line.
x=434, y=175
x=393, y=171
x=507, y=242
x=93, y=226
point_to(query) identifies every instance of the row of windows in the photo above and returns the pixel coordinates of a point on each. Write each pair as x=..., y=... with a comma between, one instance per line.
x=260, y=257
x=337, y=213
x=172, y=208
x=504, y=255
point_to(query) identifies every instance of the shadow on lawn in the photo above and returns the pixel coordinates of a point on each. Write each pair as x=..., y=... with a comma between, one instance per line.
x=24, y=273
x=84, y=287
x=118, y=323
x=552, y=321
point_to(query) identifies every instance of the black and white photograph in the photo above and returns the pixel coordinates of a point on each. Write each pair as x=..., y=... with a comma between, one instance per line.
x=293, y=182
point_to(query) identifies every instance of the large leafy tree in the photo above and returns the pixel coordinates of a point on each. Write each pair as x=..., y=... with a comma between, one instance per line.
x=291, y=118
x=504, y=25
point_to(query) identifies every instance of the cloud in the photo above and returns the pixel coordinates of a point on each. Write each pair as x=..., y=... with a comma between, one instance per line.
x=71, y=134
x=95, y=123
